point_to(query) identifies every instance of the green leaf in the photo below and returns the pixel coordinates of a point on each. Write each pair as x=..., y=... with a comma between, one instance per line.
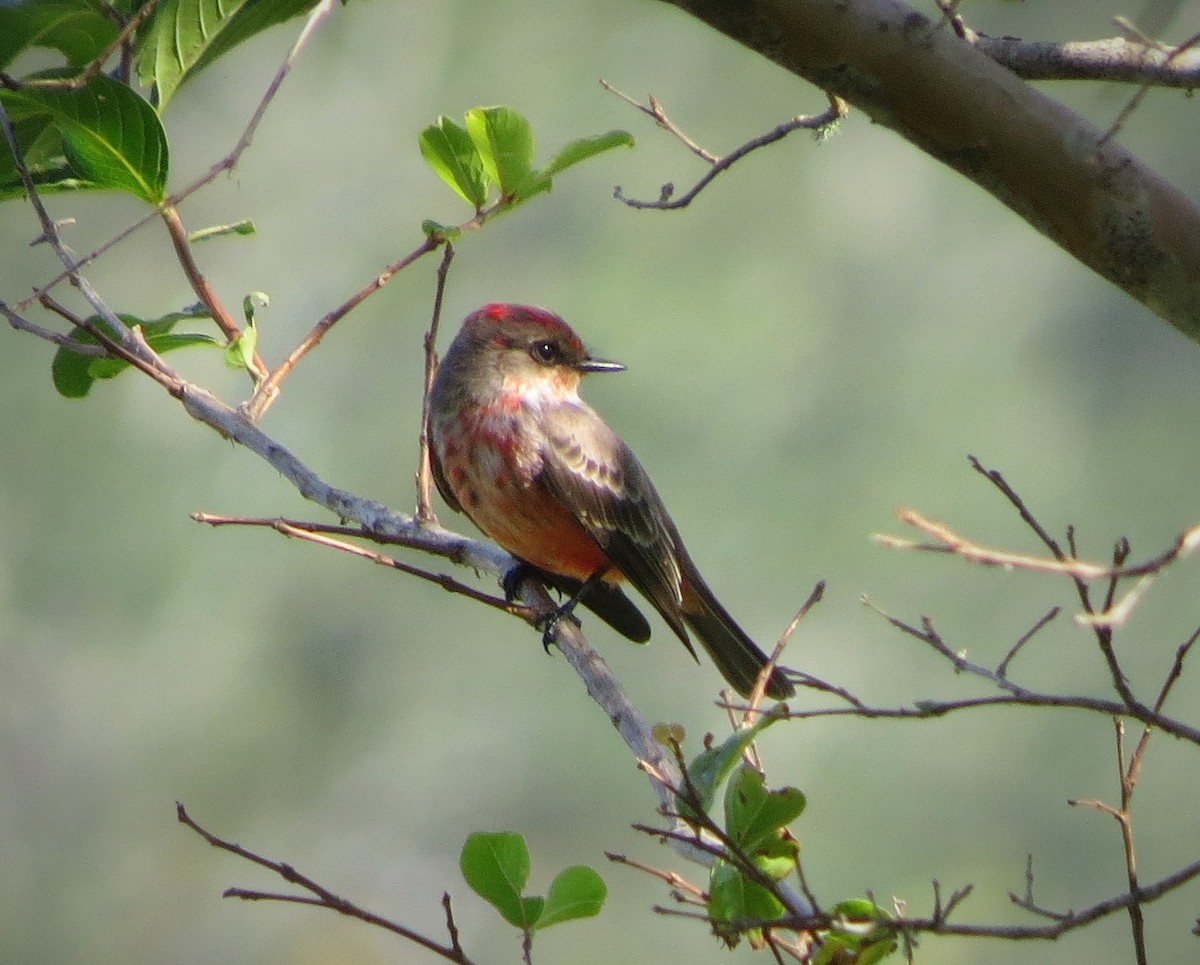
x=107, y=368
x=109, y=136
x=252, y=302
x=450, y=151
x=852, y=939
x=75, y=28
x=711, y=767
x=74, y=374
x=243, y=227
x=754, y=815
x=185, y=36
x=49, y=181
x=42, y=150
x=576, y=152
x=239, y=351
x=440, y=232
x=496, y=866
x=732, y=897
x=577, y=892
x=504, y=141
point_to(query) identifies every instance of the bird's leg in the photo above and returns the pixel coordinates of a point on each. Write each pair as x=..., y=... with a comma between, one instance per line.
x=514, y=577
x=549, y=622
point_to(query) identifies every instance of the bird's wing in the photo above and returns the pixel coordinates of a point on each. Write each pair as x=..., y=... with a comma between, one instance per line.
x=439, y=479
x=588, y=468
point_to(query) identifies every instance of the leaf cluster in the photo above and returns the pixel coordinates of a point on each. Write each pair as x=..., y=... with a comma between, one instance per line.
x=496, y=866
x=488, y=159
x=82, y=125
x=759, y=852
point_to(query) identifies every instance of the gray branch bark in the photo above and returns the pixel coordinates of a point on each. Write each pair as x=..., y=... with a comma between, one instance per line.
x=946, y=96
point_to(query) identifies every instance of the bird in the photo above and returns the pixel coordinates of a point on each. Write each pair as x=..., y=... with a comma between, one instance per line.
x=515, y=448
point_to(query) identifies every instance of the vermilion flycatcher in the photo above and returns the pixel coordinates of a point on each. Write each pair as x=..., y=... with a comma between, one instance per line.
x=516, y=449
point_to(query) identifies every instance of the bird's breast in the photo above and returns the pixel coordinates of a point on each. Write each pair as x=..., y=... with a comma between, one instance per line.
x=491, y=458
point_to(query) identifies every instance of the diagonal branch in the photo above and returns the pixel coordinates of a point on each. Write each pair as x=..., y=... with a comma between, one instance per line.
x=320, y=895
x=819, y=124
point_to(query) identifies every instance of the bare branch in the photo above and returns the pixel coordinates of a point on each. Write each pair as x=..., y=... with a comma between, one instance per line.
x=1117, y=59
x=268, y=389
x=914, y=75
x=318, y=533
x=200, y=284
x=818, y=123
x=1002, y=667
x=671, y=878
x=424, y=467
x=654, y=110
x=948, y=541
x=22, y=324
x=321, y=896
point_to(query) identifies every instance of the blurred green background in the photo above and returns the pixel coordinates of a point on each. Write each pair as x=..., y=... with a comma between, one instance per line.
x=821, y=338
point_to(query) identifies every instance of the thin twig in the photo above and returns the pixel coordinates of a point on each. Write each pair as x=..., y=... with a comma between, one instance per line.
x=653, y=109
x=227, y=163
x=201, y=286
x=318, y=534
x=1002, y=667
x=93, y=69
x=424, y=467
x=752, y=713
x=22, y=324
x=997, y=479
x=818, y=123
x=268, y=389
x=950, y=542
x=323, y=897
x=671, y=878
x=1139, y=95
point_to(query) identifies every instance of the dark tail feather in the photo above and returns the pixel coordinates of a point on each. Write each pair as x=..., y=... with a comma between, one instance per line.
x=737, y=656
x=607, y=600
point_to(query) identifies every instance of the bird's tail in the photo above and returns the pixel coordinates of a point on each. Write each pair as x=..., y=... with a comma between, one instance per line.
x=737, y=656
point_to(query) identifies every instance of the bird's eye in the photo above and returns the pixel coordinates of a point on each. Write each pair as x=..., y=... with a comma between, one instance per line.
x=546, y=352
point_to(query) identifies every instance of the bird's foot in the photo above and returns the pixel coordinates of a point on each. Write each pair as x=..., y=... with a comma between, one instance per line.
x=512, y=580
x=548, y=622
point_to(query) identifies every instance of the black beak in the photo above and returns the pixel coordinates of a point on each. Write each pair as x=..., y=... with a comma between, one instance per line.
x=590, y=364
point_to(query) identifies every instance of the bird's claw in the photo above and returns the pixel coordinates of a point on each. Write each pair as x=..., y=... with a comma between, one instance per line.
x=548, y=623
x=512, y=579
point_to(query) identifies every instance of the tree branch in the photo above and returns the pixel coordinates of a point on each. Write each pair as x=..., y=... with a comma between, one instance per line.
x=1116, y=60
x=951, y=100
x=321, y=896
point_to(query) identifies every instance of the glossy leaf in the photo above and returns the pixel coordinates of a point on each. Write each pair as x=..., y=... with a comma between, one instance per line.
x=75, y=374
x=709, y=768
x=576, y=152
x=577, y=892
x=110, y=137
x=732, y=897
x=42, y=150
x=504, y=141
x=852, y=939
x=77, y=29
x=185, y=36
x=451, y=152
x=753, y=814
x=496, y=866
